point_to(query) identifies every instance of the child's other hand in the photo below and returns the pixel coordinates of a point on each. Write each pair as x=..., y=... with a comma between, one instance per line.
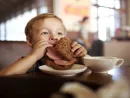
x=39, y=49
x=78, y=50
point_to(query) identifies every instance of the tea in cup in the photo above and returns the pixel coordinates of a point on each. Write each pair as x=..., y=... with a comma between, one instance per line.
x=102, y=64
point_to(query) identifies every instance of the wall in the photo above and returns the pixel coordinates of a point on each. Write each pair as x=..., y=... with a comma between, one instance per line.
x=128, y=12
x=120, y=49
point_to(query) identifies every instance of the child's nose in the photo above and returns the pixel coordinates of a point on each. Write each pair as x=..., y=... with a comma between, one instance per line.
x=53, y=38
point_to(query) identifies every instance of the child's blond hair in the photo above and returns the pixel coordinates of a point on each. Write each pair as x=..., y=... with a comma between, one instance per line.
x=28, y=28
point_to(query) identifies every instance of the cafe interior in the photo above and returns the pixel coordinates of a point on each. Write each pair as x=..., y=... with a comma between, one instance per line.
x=101, y=26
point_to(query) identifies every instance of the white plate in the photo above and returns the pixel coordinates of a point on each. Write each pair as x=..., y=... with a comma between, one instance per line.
x=76, y=68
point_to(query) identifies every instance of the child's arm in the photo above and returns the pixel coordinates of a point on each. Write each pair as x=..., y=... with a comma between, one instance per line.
x=23, y=65
x=19, y=67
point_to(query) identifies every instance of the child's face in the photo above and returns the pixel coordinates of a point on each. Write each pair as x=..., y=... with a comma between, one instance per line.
x=47, y=29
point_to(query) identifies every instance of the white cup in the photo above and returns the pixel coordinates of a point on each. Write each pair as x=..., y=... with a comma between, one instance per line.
x=101, y=63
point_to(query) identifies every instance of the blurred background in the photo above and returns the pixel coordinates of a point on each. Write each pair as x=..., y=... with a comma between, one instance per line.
x=107, y=19
x=101, y=26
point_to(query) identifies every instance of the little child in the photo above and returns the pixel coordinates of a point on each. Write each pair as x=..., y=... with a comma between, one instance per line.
x=39, y=31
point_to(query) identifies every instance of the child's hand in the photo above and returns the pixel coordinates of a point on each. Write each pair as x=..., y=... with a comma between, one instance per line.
x=78, y=50
x=39, y=48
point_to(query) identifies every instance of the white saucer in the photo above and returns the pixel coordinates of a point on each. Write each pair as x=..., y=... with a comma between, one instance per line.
x=76, y=68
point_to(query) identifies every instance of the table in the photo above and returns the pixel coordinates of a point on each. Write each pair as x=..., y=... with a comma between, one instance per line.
x=41, y=85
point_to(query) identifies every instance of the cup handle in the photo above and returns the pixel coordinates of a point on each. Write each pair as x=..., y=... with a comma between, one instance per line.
x=119, y=62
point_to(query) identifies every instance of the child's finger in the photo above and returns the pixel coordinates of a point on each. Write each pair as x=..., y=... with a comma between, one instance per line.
x=74, y=43
x=79, y=51
x=47, y=45
x=76, y=47
x=41, y=43
x=82, y=54
x=36, y=44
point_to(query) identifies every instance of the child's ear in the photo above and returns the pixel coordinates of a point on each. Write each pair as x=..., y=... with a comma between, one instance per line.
x=29, y=42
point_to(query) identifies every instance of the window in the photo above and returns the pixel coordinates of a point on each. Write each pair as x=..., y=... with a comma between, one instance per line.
x=94, y=1
x=105, y=12
x=93, y=12
x=117, y=19
x=2, y=31
x=43, y=9
x=117, y=4
x=106, y=3
x=106, y=27
x=15, y=27
x=106, y=17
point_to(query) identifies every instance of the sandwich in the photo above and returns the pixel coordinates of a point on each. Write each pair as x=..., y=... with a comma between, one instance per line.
x=60, y=56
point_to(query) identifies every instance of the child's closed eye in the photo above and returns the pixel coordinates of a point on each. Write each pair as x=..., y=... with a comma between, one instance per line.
x=45, y=33
x=60, y=33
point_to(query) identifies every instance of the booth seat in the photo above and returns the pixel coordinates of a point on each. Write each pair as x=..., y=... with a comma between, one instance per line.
x=10, y=51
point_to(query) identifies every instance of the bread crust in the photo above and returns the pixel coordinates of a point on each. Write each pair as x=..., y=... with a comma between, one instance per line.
x=63, y=48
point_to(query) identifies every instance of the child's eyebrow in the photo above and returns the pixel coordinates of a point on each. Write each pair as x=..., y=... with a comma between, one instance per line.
x=48, y=28
x=39, y=29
